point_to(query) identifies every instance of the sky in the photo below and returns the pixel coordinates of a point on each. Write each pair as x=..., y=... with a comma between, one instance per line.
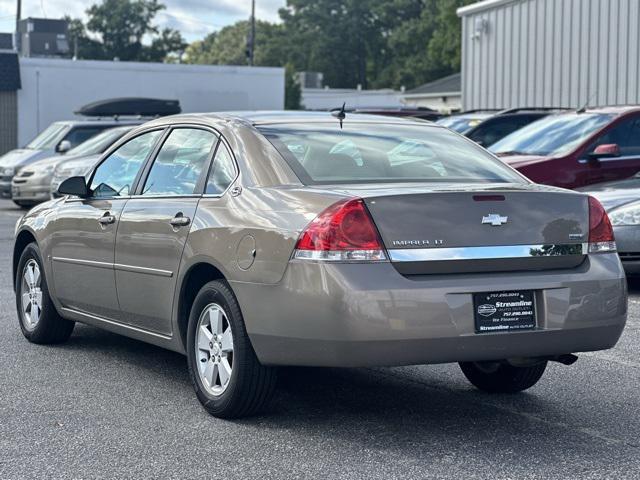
x=193, y=18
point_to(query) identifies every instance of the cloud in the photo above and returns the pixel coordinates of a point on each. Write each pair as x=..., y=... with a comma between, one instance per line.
x=194, y=18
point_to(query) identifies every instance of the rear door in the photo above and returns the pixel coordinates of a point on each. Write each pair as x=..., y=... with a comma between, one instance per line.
x=626, y=135
x=154, y=227
x=82, y=247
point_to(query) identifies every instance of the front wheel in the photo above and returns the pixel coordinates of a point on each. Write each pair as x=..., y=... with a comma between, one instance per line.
x=228, y=379
x=500, y=377
x=39, y=319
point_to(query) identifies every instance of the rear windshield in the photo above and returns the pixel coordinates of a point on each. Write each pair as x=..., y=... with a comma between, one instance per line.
x=461, y=124
x=379, y=153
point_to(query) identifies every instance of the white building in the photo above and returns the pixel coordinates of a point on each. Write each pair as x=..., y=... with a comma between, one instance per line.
x=52, y=89
x=327, y=98
x=550, y=53
x=443, y=95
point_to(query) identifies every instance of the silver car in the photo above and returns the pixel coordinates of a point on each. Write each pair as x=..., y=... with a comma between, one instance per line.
x=621, y=199
x=32, y=184
x=249, y=241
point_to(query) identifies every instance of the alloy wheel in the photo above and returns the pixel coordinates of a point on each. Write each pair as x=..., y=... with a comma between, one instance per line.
x=214, y=349
x=31, y=294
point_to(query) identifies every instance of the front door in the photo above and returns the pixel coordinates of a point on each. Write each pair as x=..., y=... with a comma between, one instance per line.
x=154, y=228
x=82, y=247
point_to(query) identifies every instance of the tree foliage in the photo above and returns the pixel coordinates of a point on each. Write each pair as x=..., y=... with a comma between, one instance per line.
x=116, y=29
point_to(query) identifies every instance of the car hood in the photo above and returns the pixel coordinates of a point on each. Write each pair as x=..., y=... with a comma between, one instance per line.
x=516, y=161
x=615, y=194
x=22, y=156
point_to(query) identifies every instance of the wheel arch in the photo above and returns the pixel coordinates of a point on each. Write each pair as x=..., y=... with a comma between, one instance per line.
x=194, y=279
x=23, y=238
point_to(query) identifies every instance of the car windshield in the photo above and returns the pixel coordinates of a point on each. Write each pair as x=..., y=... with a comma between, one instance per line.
x=49, y=138
x=555, y=135
x=99, y=143
x=383, y=153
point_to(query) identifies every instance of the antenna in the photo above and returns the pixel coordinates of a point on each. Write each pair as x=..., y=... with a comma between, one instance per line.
x=340, y=113
x=584, y=107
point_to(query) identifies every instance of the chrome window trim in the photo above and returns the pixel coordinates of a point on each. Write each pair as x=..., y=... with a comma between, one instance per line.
x=478, y=253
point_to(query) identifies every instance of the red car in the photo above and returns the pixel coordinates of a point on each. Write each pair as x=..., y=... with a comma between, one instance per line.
x=577, y=148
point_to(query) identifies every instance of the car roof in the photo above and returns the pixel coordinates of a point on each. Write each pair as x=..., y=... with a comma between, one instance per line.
x=257, y=118
x=614, y=109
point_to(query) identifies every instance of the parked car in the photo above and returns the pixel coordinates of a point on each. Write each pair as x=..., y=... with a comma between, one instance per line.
x=575, y=149
x=466, y=121
x=621, y=199
x=32, y=184
x=58, y=138
x=240, y=241
x=504, y=123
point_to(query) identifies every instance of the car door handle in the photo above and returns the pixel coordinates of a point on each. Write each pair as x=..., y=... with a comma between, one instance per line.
x=180, y=221
x=107, y=219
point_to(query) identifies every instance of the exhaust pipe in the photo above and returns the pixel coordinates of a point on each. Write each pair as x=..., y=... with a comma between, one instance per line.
x=566, y=359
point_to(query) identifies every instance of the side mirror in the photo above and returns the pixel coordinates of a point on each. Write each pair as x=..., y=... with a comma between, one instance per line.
x=64, y=146
x=76, y=186
x=607, y=150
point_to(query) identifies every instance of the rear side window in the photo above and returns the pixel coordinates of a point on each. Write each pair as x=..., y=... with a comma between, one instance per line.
x=115, y=176
x=378, y=153
x=223, y=172
x=179, y=164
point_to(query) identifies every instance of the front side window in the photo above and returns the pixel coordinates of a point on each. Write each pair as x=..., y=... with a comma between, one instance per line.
x=223, y=172
x=383, y=153
x=115, y=176
x=179, y=164
x=99, y=143
x=626, y=135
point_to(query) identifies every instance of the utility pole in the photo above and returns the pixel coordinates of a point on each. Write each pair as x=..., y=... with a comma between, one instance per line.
x=251, y=39
x=18, y=15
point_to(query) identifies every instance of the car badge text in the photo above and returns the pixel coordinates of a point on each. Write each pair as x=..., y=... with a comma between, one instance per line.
x=417, y=243
x=494, y=219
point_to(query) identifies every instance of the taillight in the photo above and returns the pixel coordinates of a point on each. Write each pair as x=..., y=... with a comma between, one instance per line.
x=600, y=230
x=344, y=232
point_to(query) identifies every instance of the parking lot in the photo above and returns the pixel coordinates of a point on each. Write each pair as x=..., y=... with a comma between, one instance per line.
x=106, y=406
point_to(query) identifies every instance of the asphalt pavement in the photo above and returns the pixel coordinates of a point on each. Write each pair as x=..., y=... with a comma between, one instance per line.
x=106, y=406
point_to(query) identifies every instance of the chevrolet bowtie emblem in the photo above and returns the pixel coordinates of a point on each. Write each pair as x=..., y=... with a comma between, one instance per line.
x=494, y=219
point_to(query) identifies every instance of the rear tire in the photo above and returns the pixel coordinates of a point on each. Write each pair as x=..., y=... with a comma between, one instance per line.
x=500, y=377
x=39, y=319
x=228, y=379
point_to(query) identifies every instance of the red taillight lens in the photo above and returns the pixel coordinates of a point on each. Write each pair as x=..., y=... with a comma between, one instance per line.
x=344, y=231
x=600, y=230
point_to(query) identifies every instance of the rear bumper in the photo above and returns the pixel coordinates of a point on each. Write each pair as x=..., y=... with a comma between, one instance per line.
x=352, y=315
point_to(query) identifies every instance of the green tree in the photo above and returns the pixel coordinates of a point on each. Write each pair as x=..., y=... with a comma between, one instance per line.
x=229, y=46
x=116, y=28
x=292, y=90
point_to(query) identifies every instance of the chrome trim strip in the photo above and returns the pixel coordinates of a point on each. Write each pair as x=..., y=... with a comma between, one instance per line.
x=117, y=324
x=87, y=263
x=115, y=266
x=486, y=253
x=143, y=270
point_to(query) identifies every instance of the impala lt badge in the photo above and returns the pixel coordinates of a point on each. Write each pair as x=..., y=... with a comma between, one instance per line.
x=494, y=219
